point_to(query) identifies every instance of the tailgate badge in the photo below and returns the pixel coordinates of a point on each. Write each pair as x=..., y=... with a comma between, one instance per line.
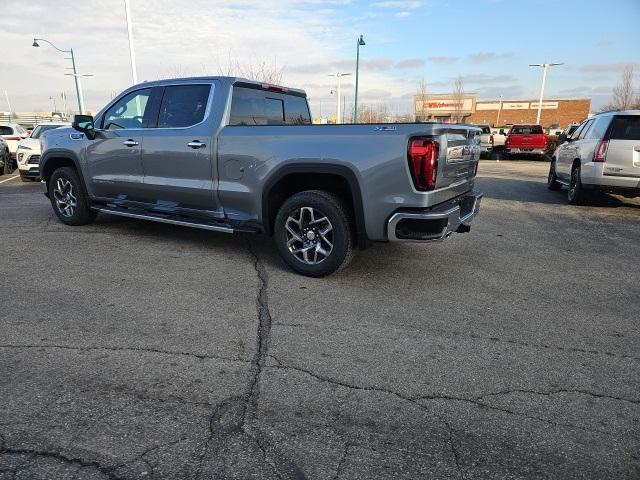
x=385, y=129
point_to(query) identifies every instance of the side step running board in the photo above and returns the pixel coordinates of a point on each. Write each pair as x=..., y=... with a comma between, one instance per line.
x=183, y=223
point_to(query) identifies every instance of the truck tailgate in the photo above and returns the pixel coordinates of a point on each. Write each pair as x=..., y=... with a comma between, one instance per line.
x=460, y=156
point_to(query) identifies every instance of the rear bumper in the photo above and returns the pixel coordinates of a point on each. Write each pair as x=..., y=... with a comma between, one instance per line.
x=526, y=151
x=436, y=223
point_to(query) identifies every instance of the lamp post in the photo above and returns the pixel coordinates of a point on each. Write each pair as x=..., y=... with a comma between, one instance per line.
x=339, y=95
x=360, y=42
x=76, y=76
x=544, y=66
x=132, y=54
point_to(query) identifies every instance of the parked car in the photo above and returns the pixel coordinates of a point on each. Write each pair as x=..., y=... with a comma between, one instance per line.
x=13, y=134
x=233, y=155
x=28, y=151
x=567, y=132
x=602, y=155
x=526, y=140
x=499, y=137
x=486, y=140
x=5, y=157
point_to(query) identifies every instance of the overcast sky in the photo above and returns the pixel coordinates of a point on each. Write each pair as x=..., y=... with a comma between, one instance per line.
x=488, y=42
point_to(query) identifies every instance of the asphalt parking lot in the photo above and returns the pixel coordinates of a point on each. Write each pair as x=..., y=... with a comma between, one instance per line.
x=139, y=350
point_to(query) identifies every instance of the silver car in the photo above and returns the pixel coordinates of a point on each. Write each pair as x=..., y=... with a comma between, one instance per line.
x=602, y=154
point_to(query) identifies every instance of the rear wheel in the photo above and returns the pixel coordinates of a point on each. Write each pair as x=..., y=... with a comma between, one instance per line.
x=576, y=192
x=313, y=231
x=552, y=179
x=68, y=199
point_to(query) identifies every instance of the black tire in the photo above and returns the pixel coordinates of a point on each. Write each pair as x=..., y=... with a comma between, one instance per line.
x=552, y=179
x=297, y=212
x=576, y=194
x=80, y=213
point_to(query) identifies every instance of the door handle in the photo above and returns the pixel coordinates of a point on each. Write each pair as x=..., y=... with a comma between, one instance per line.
x=130, y=143
x=196, y=144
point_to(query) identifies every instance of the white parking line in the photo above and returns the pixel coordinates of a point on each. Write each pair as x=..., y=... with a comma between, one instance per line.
x=7, y=179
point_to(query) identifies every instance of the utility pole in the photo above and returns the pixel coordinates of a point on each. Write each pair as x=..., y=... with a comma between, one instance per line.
x=360, y=42
x=6, y=95
x=132, y=54
x=499, y=111
x=544, y=66
x=339, y=95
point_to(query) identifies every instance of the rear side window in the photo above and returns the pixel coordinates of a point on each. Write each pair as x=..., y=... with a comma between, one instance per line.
x=183, y=105
x=585, y=129
x=526, y=130
x=625, y=128
x=598, y=128
x=4, y=130
x=250, y=106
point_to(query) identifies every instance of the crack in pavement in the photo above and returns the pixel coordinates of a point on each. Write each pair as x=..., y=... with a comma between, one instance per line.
x=454, y=450
x=107, y=471
x=201, y=356
x=416, y=400
x=237, y=415
x=558, y=391
x=342, y=461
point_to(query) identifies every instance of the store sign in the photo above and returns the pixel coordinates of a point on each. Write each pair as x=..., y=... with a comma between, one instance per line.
x=545, y=105
x=515, y=106
x=444, y=105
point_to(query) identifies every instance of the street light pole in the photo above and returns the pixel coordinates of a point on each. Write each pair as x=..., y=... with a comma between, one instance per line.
x=360, y=42
x=75, y=74
x=339, y=99
x=544, y=66
x=132, y=54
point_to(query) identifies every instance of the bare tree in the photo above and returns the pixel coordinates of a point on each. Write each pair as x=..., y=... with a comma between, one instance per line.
x=623, y=93
x=458, y=99
x=260, y=70
x=422, y=97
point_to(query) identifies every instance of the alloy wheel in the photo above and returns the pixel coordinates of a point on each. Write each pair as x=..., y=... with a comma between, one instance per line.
x=309, y=235
x=65, y=197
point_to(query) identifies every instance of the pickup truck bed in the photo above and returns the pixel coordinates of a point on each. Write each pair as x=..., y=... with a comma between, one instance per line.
x=245, y=157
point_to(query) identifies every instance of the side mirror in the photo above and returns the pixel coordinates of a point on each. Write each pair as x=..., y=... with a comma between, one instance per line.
x=84, y=124
x=502, y=131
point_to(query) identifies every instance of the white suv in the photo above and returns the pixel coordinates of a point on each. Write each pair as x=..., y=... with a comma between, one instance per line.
x=28, y=152
x=602, y=154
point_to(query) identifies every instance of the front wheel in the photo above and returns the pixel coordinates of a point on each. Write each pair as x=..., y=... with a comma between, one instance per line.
x=68, y=199
x=552, y=179
x=313, y=231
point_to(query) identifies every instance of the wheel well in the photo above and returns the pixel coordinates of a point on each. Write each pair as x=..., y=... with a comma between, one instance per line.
x=53, y=164
x=576, y=163
x=293, y=183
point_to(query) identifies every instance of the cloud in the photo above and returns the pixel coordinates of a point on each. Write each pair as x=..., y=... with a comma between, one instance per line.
x=404, y=14
x=615, y=67
x=484, y=57
x=378, y=64
x=410, y=63
x=484, y=79
x=603, y=44
x=443, y=60
x=401, y=5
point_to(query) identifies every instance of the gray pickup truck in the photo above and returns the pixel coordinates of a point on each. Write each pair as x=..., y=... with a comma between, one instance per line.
x=233, y=155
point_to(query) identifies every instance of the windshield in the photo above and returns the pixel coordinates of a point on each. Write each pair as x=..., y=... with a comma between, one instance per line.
x=40, y=129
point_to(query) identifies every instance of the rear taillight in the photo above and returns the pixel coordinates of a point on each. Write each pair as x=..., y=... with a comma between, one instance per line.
x=423, y=163
x=491, y=139
x=600, y=155
x=546, y=140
